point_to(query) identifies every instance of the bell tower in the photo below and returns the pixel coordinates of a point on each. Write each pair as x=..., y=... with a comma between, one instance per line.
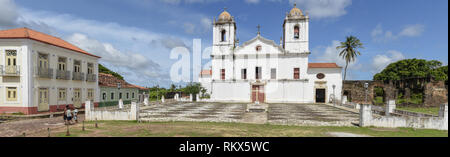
x=296, y=31
x=224, y=34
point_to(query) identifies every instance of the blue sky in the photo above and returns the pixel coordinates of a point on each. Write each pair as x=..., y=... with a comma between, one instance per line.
x=135, y=37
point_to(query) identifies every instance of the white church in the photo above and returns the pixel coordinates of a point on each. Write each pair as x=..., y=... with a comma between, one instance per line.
x=263, y=71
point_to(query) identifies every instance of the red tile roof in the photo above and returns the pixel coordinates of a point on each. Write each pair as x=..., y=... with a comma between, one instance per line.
x=108, y=80
x=323, y=65
x=206, y=72
x=141, y=88
x=26, y=33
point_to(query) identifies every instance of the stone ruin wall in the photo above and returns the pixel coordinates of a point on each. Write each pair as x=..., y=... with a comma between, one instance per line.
x=435, y=92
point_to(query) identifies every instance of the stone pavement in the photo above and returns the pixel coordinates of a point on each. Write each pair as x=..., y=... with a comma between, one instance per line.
x=279, y=114
x=30, y=126
x=202, y=112
x=310, y=115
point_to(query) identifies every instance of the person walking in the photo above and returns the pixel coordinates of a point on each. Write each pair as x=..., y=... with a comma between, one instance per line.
x=75, y=115
x=69, y=115
x=65, y=115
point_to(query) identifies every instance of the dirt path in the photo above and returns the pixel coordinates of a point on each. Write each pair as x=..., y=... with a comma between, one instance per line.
x=31, y=126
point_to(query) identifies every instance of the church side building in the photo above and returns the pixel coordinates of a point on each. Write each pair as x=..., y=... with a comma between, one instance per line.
x=262, y=71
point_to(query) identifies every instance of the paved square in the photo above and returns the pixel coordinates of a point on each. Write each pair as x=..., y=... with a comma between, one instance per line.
x=205, y=112
x=283, y=114
x=310, y=115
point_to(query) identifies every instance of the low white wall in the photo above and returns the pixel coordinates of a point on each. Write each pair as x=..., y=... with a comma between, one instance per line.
x=439, y=123
x=119, y=115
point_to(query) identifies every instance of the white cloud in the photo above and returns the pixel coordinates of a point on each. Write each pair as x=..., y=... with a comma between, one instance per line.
x=109, y=40
x=380, y=62
x=412, y=30
x=252, y=1
x=323, y=8
x=133, y=62
x=8, y=13
x=378, y=34
x=176, y=2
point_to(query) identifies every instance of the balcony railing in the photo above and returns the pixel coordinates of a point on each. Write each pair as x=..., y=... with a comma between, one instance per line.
x=62, y=75
x=91, y=77
x=45, y=72
x=10, y=70
x=78, y=76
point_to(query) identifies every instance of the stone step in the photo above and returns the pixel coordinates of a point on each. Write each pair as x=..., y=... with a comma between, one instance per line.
x=255, y=110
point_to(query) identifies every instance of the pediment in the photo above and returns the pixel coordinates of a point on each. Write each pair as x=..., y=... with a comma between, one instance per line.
x=267, y=47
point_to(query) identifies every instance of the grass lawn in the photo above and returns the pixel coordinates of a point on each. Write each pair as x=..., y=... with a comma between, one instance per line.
x=411, y=101
x=206, y=129
x=429, y=110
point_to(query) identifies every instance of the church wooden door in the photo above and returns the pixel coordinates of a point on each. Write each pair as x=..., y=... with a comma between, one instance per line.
x=258, y=93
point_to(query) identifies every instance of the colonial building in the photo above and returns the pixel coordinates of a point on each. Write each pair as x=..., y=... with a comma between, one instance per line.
x=112, y=89
x=41, y=73
x=261, y=70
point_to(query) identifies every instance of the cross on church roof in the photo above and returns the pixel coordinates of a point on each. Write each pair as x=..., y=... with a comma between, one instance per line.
x=259, y=29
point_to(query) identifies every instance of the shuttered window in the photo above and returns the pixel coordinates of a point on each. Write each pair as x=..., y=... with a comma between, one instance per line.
x=222, y=74
x=62, y=94
x=258, y=72
x=296, y=73
x=273, y=74
x=11, y=94
x=244, y=74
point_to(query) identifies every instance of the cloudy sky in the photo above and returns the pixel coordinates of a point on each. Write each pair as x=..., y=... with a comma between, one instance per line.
x=135, y=37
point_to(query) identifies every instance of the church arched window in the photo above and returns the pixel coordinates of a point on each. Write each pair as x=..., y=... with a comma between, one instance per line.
x=296, y=32
x=258, y=48
x=223, y=34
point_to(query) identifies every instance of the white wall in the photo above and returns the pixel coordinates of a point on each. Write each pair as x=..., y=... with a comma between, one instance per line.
x=226, y=91
x=21, y=82
x=333, y=76
x=206, y=83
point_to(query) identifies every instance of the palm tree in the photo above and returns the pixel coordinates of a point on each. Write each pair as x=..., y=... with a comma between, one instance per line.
x=349, y=52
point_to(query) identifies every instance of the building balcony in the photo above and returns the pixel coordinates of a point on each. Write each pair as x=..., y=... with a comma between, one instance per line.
x=45, y=73
x=91, y=77
x=78, y=76
x=62, y=75
x=10, y=70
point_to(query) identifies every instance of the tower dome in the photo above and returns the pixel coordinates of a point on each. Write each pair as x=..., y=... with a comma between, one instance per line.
x=225, y=16
x=295, y=12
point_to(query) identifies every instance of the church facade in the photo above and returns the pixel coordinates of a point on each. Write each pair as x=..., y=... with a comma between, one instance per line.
x=263, y=71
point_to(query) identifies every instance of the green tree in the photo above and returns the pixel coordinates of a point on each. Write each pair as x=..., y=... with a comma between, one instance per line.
x=413, y=68
x=173, y=88
x=193, y=88
x=103, y=69
x=349, y=51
